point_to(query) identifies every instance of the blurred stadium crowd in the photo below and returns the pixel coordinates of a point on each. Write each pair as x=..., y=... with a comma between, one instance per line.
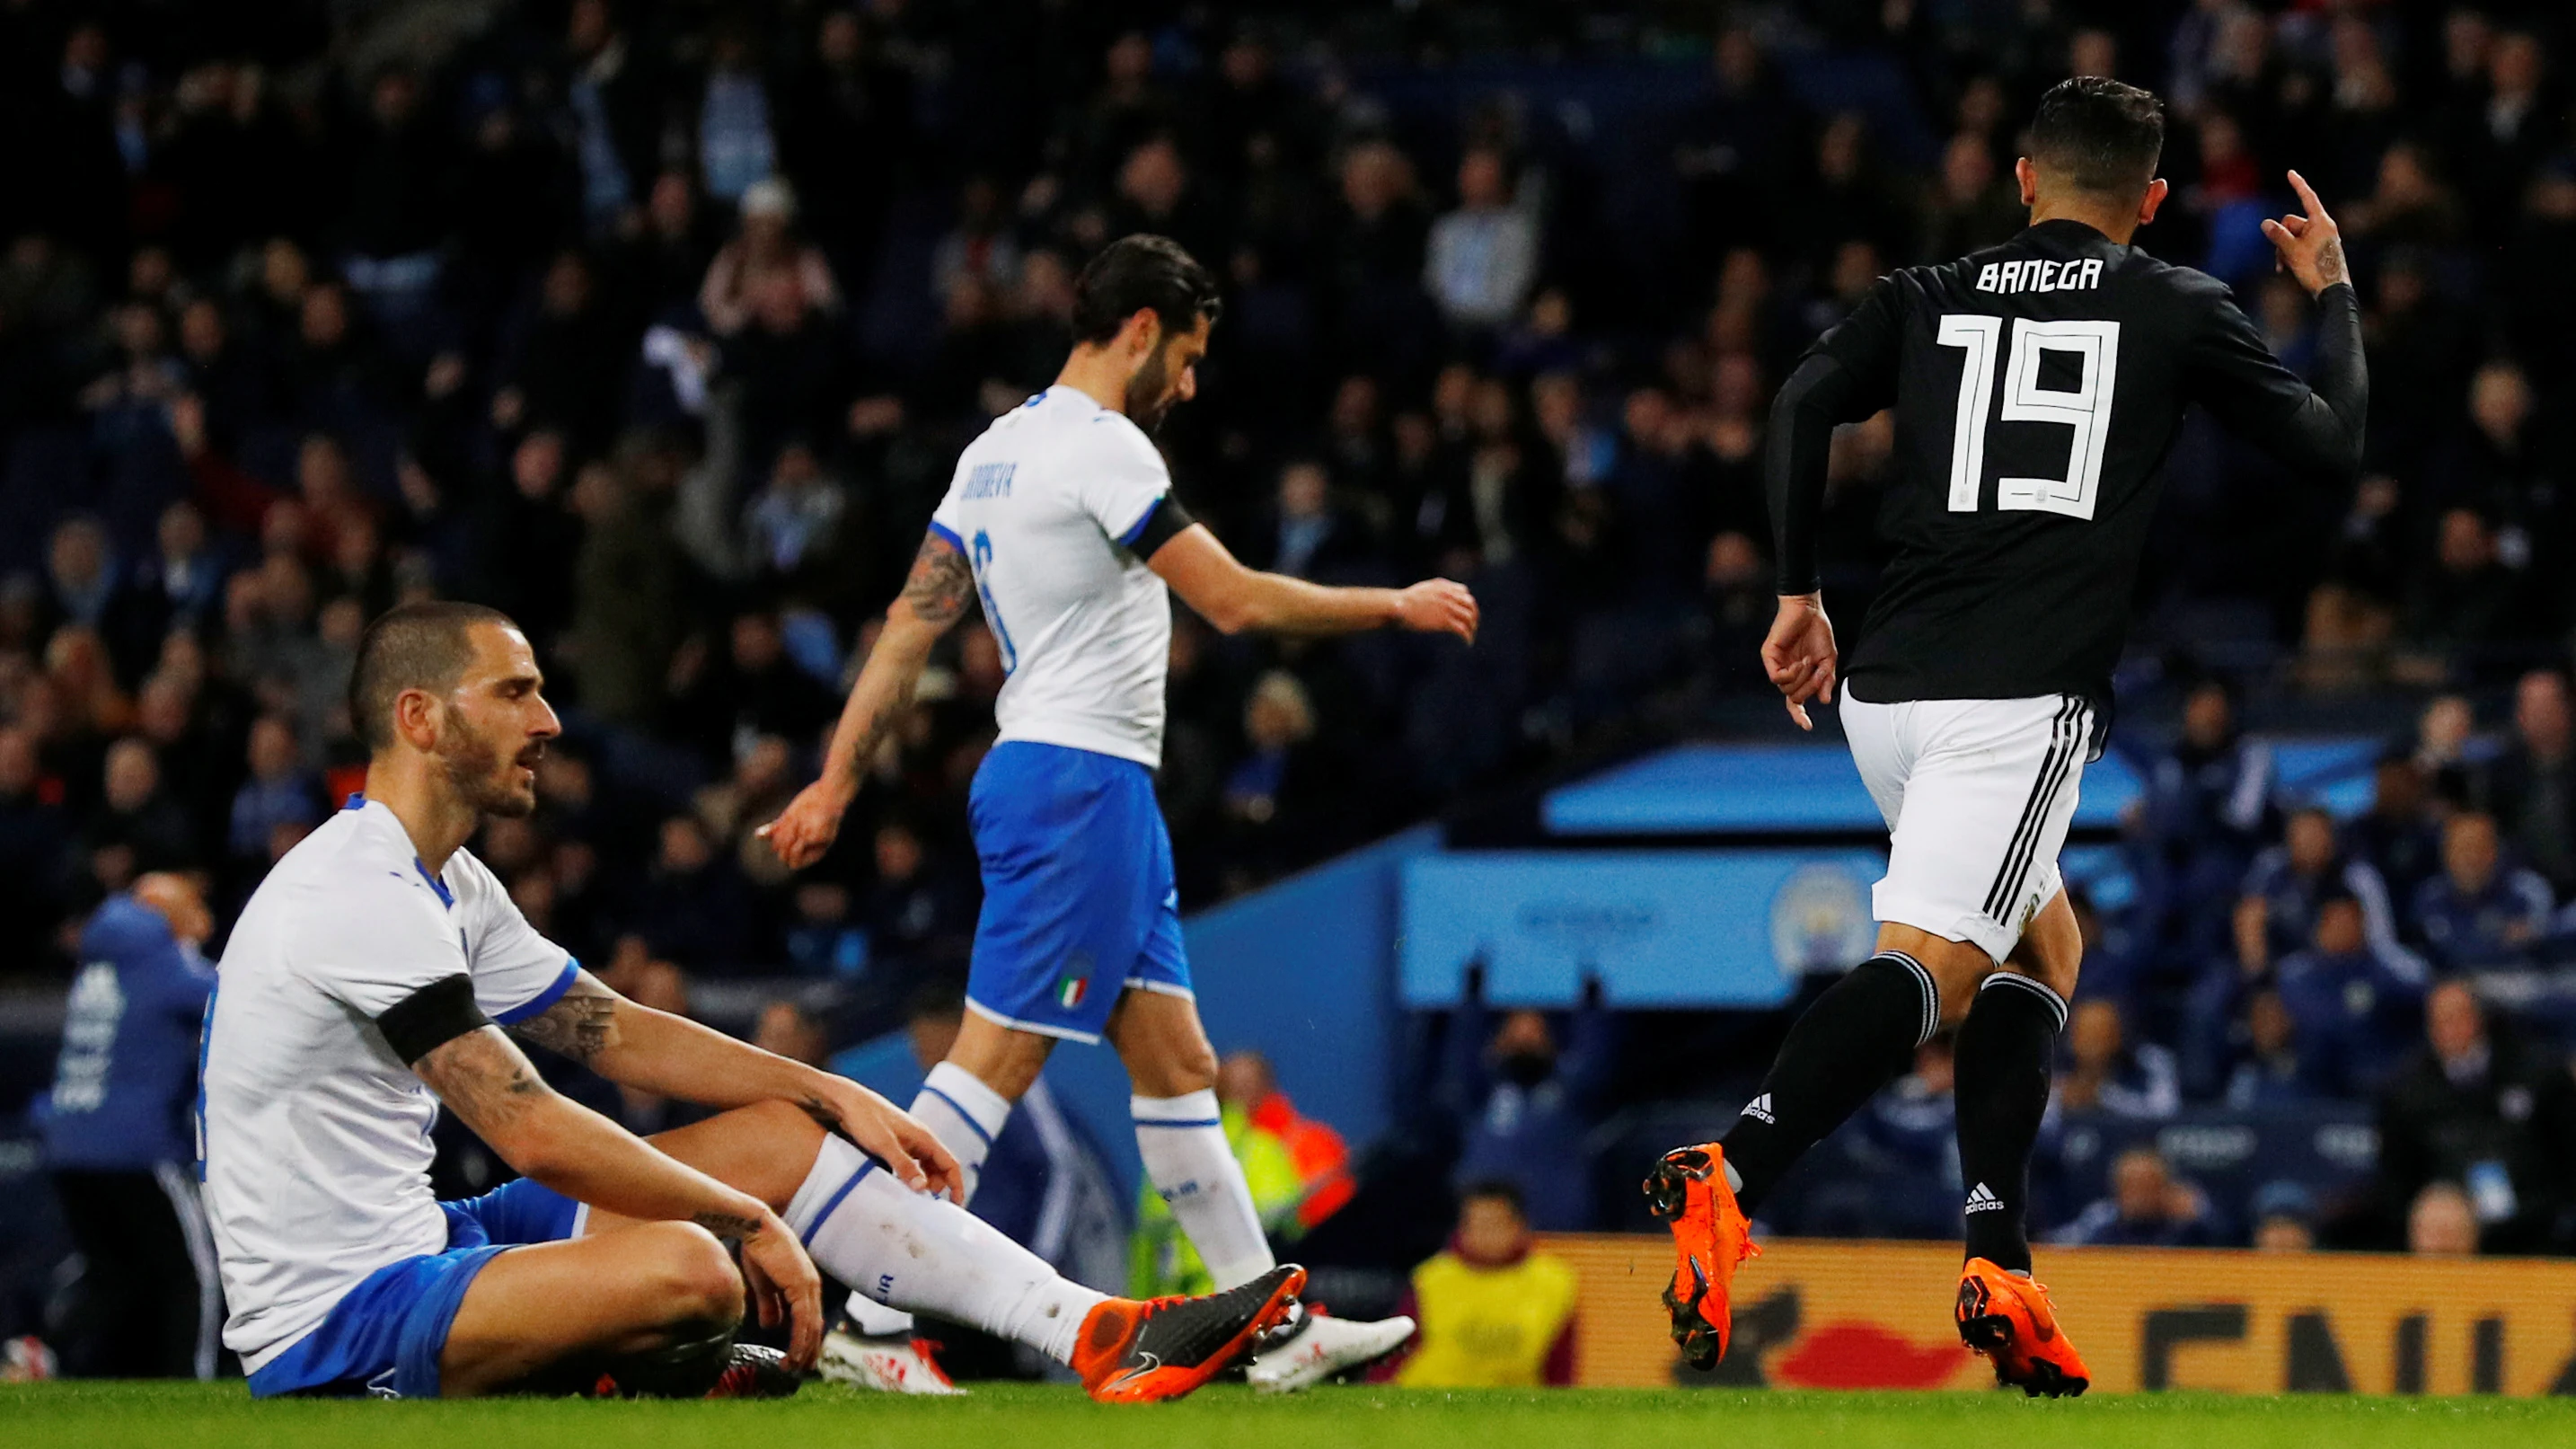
x=660, y=326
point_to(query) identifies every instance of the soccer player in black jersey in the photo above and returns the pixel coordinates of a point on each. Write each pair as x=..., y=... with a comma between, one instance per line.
x=2037, y=386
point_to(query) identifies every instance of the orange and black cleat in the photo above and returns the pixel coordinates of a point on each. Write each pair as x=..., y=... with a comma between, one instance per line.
x=1135, y=1352
x=2007, y=1317
x=1688, y=1190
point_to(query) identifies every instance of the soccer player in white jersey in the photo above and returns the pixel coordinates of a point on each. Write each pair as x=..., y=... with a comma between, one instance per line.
x=1060, y=517
x=368, y=983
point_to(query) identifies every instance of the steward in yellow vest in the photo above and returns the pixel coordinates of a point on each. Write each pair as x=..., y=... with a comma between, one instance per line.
x=1494, y=1313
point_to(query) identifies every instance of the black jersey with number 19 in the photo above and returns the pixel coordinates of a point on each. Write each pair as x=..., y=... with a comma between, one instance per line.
x=2037, y=387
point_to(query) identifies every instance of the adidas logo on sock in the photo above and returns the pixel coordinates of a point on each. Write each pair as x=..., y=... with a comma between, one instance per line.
x=1759, y=1109
x=1982, y=1199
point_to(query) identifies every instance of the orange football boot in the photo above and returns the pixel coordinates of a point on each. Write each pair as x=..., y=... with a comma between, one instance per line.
x=1687, y=1189
x=2008, y=1318
x=1133, y=1352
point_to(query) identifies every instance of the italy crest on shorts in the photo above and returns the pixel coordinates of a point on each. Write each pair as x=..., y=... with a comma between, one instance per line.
x=1070, y=990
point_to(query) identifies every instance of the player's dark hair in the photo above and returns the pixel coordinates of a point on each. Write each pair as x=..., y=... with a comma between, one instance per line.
x=1496, y=1189
x=2099, y=134
x=411, y=646
x=1136, y=272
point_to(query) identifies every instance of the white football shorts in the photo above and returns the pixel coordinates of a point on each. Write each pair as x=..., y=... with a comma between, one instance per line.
x=1978, y=794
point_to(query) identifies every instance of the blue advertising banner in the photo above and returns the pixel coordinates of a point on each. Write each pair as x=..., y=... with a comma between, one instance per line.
x=1660, y=928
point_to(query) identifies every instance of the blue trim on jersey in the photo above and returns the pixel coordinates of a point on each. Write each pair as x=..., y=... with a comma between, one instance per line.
x=446, y=897
x=963, y=1115
x=1038, y=397
x=1136, y=530
x=536, y=1005
x=950, y=534
x=205, y=1046
x=1193, y=1122
x=834, y=1201
x=357, y=801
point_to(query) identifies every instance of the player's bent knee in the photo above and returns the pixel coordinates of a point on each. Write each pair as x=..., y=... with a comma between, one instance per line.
x=693, y=1277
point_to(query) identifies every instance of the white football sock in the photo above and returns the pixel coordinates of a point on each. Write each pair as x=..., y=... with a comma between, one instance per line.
x=909, y=1250
x=966, y=1116
x=1182, y=1140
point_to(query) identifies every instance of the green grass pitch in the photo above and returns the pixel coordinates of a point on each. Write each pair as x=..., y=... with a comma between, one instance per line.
x=193, y=1416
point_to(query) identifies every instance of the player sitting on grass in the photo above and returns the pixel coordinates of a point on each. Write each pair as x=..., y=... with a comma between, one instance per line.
x=368, y=982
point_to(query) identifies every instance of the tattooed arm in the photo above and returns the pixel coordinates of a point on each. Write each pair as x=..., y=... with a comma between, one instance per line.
x=934, y=597
x=672, y=1056
x=489, y=1084
x=482, y=1077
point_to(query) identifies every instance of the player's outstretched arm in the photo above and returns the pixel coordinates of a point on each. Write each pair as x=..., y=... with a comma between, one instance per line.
x=1233, y=598
x=672, y=1056
x=483, y=1078
x=934, y=597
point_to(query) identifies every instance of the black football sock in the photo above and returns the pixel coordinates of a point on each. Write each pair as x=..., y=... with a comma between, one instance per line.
x=2005, y=1052
x=1859, y=1036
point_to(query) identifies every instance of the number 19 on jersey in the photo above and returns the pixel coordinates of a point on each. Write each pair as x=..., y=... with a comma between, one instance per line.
x=2086, y=409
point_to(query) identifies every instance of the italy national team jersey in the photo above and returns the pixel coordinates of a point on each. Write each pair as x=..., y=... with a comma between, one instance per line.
x=314, y=1135
x=1044, y=505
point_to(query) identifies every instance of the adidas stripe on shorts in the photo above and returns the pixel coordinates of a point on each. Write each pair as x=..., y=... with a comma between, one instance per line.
x=1977, y=794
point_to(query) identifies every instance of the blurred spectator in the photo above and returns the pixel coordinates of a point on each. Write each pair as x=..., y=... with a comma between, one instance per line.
x=2479, y=1108
x=279, y=791
x=1322, y=1159
x=766, y=254
x=2285, y=1218
x=2479, y=911
x=2106, y=1072
x=2283, y=890
x=1901, y=1177
x=2272, y=1068
x=1495, y=1313
x=1483, y=256
x=2442, y=1223
x=2148, y=1208
x=2353, y=1006
x=2532, y=786
x=788, y=1030
x=690, y=904
x=2398, y=836
x=119, y=1142
x=1523, y=1106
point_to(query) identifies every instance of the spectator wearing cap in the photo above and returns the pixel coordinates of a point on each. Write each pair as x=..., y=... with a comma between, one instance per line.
x=2285, y=1217
x=2480, y=911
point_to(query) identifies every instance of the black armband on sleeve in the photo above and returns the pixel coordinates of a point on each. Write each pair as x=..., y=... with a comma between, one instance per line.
x=432, y=1017
x=1165, y=521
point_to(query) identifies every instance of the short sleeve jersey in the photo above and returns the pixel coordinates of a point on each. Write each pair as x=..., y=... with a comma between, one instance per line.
x=313, y=1136
x=1046, y=506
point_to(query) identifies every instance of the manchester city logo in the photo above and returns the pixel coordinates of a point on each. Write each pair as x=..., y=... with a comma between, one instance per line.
x=1819, y=920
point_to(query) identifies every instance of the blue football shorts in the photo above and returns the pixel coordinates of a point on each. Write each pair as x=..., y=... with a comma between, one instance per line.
x=1079, y=904
x=385, y=1336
